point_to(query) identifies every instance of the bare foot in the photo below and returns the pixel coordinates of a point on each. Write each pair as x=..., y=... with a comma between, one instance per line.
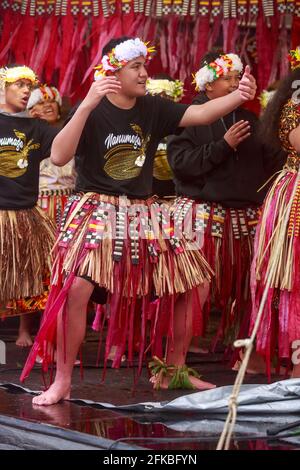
x=296, y=372
x=197, y=383
x=201, y=384
x=24, y=339
x=58, y=391
x=112, y=354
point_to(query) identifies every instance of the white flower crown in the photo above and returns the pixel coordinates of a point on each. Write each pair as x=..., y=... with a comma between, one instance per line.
x=44, y=93
x=121, y=55
x=216, y=69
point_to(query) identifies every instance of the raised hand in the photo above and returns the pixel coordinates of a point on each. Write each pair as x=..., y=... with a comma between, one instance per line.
x=247, y=85
x=237, y=133
x=99, y=89
x=34, y=114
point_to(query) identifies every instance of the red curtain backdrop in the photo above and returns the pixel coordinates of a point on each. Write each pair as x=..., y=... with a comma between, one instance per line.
x=62, y=39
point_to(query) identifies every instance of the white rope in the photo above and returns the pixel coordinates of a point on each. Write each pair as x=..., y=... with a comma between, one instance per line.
x=225, y=438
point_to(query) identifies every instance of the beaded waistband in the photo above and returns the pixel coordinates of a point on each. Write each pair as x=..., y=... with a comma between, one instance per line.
x=56, y=192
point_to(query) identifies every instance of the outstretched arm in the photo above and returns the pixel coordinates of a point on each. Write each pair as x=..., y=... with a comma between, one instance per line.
x=65, y=143
x=205, y=114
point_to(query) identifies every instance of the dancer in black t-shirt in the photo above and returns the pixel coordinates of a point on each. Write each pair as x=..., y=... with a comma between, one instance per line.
x=27, y=236
x=114, y=234
x=56, y=183
x=219, y=170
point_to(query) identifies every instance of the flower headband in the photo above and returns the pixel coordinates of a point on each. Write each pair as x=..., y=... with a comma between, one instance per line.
x=121, y=55
x=294, y=58
x=173, y=89
x=214, y=70
x=11, y=75
x=44, y=93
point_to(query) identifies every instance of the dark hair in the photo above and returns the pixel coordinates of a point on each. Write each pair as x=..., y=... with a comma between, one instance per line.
x=210, y=57
x=270, y=119
x=163, y=76
x=113, y=43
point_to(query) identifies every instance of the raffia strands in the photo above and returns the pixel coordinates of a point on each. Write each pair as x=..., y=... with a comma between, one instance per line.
x=273, y=233
x=277, y=259
x=133, y=268
x=166, y=273
x=180, y=273
x=262, y=301
x=26, y=239
x=53, y=204
x=228, y=237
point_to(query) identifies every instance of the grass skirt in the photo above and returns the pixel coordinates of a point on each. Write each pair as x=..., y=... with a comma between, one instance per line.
x=227, y=238
x=129, y=248
x=26, y=239
x=277, y=255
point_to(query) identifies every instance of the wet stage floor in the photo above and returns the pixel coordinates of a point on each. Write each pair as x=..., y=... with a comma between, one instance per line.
x=112, y=428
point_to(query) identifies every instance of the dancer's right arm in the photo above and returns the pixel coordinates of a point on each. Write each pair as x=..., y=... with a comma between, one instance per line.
x=65, y=143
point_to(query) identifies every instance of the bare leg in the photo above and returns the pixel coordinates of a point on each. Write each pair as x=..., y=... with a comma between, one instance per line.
x=256, y=365
x=77, y=302
x=183, y=332
x=112, y=354
x=296, y=372
x=24, y=339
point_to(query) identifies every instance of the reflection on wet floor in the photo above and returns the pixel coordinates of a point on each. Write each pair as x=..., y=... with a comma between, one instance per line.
x=132, y=429
x=152, y=432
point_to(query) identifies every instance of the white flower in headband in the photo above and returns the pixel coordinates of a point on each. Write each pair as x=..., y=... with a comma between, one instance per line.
x=236, y=62
x=216, y=69
x=121, y=55
x=202, y=77
x=106, y=65
x=222, y=63
x=130, y=49
x=44, y=93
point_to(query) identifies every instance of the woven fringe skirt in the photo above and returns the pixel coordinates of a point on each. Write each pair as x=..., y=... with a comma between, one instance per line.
x=227, y=237
x=53, y=202
x=277, y=255
x=26, y=239
x=127, y=247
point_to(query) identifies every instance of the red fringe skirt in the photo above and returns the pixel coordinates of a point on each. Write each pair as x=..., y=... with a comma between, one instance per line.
x=277, y=255
x=53, y=202
x=129, y=248
x=227, y=237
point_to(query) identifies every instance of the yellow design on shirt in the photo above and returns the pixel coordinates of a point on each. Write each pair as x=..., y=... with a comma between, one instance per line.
x=123, y=161
x=14, y=160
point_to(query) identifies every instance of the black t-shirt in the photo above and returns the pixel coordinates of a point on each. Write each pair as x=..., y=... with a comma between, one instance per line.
x=116, y=150
x=24, y=143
